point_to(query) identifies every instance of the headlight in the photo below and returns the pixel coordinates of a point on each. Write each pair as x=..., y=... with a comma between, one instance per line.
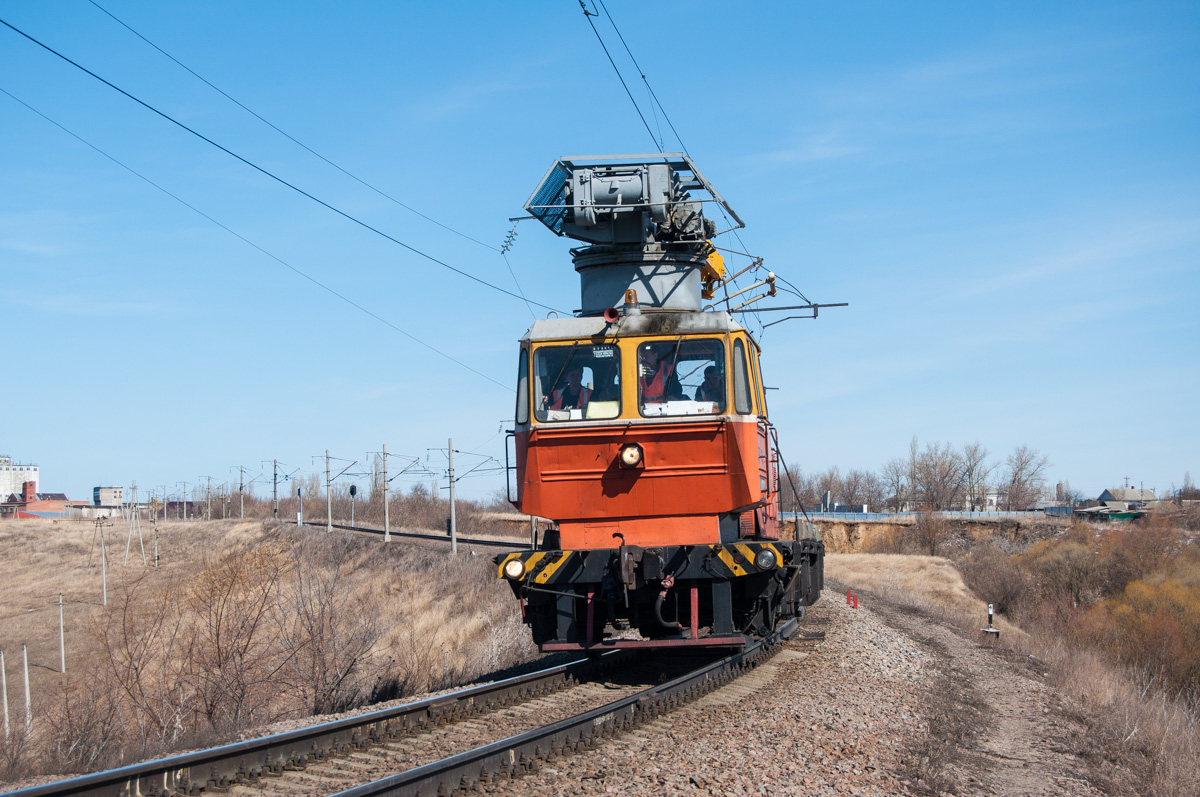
x=514, y=569
x=766, y=559
x=631, y=455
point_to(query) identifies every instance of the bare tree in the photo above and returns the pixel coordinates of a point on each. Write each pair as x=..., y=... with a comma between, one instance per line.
x=932, y=532
x=854, y=488
x=1188, y=491
x=874, y=491
x=895, y=481
x=976, y=471
x=235, y=660
x=328, y=630
x=830, y=482
x=938, y=477
x=1025, y=478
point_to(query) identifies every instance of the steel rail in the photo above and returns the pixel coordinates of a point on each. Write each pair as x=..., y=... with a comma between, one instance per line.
x=217, y=768
x=513, y=545
x=524, y=752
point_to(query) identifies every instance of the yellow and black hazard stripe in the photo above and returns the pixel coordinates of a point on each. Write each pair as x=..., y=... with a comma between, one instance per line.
x=741, y=558
x=543, y=564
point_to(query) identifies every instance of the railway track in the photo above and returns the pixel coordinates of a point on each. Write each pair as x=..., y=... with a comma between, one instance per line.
x=509, y=544
x=446, y=743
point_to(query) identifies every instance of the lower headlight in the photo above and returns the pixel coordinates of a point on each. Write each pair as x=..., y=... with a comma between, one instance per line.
x=766, y=559
x=514, y=569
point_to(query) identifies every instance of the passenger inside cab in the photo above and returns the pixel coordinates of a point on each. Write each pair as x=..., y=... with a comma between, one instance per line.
x=657, y=380
x=573, y=395
x=713, y=386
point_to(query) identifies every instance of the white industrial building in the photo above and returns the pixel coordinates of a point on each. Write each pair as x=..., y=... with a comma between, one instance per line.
x=108, y=496
x=13, y=475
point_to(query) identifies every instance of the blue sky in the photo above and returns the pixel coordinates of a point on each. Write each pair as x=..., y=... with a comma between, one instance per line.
x=1006, y=194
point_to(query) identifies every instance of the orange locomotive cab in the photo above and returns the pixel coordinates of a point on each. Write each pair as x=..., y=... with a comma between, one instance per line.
x=642, y=433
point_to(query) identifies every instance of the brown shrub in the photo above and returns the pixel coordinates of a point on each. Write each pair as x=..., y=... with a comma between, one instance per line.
x=279, y=624
x=932, y=532
x=991, y=574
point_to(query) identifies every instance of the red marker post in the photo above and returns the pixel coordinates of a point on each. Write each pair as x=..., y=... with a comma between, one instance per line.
x=847, y=596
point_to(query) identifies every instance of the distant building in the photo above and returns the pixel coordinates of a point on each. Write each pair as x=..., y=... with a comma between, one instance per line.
x=1125, y=500
x=108, y=496
x=30, y=504
x=13, y=476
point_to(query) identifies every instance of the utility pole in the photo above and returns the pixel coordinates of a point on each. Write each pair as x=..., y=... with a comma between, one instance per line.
x=135, y=522
x=62, y=638
x=387, y=531
x=208, y=500
x=453, y=527
x=299, y=506
x=328, y=497
x=103, y=567
x=242, y=492
x=275, y=489
x=183, y=509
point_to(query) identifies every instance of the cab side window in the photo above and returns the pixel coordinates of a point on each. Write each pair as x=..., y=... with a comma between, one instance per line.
x=741, y=380
x=522, y=413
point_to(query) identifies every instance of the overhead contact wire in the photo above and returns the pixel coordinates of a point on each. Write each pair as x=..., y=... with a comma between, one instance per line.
x=588, y=16
x=288, y=136
x=246, y=240
x=273, y=176
x=645, y=80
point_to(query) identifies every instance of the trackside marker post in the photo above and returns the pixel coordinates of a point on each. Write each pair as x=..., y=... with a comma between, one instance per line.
x=993, y=632
x=847, y=596
x=856, y=602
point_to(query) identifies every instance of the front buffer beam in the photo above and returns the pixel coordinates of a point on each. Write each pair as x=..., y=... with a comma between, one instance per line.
x=717, y=595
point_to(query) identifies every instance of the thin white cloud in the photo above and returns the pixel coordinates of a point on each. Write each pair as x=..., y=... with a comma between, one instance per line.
x=86, y=305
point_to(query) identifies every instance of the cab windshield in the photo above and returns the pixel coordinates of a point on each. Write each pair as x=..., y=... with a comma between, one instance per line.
x=681, y=377
x=577, y=382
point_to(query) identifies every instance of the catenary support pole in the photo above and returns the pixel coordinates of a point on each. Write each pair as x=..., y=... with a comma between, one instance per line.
x=242, y=492
x=387, y=529
x=275, y=488
x=453, y=525
x=62, y=638
x=328, y=497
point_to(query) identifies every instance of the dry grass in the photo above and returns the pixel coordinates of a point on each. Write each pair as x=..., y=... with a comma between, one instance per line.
x=1148, y=736
x=931, y=583
x=342, y=619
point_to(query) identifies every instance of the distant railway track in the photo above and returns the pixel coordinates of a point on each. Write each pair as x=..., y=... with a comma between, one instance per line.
x=402, y=750
x=510, y=544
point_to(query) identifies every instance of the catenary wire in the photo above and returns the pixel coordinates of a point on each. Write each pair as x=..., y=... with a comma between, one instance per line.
x=588, y=16
x=273, y=176
x=241, y=237
x=649, y=88
x=287, y=135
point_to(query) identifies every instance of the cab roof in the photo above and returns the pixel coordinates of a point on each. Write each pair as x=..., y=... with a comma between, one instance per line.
x=632, y=325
